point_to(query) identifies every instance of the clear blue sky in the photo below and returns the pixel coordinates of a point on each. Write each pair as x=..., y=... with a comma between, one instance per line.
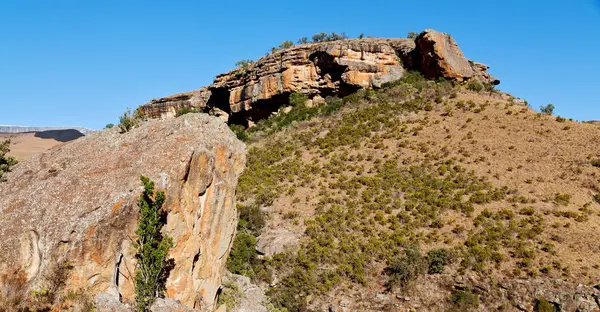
x=82, y=63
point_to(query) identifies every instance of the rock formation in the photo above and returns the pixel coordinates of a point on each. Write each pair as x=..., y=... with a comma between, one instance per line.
x=335, y=68
x=77, y=204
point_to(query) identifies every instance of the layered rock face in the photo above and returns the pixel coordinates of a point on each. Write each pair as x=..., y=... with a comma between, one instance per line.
x=77, y=203
x=335, y=68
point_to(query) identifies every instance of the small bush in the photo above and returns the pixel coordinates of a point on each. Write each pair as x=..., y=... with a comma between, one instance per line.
x=109, y=126
x=475, y=86
x=252, y=219
x=129, y=120
x=231, y=296
x=465, y=300
x=186, y=110
x=547, y=109
x=596, y=162
x=240, y=132
x=437, y=259
x=6, y=162
x=244, y=64
x=542, y=305
x=286, y=44
x=405, y=269
x=243, y=255
x=597, y=198
x=562, y=199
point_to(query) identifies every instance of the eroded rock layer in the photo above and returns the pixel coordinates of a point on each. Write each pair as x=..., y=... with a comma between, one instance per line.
x=318, y=70
x=77, y=204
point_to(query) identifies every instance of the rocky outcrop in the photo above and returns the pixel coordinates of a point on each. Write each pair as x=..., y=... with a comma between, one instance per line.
x=335, y=68
x=438, y=55
x=77, y=204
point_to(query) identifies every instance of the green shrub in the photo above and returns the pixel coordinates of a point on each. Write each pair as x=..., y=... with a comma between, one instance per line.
x=129, y=120
x=412, y=35
x=475, y=85
x=244, y=64
x=252, y=219
x=286, y=44
x=437, y=259
x=562, y=199
x=239, y=131
x=109, y=126
x=404, y=269
x=152, y=247
x=302, y=40
x=185, y=110
x=542, y=305
x=6, y=162
x=597, y=198
x=464, y=300
x=230, y=296
x=243, y=255
x=547, y=109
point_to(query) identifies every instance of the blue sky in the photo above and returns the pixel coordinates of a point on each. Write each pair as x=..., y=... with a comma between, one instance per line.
x=82, y=63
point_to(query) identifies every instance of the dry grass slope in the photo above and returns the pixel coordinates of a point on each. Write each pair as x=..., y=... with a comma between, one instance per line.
x=418, y=179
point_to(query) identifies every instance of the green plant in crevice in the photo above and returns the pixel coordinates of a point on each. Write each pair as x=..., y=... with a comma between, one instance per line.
x=152, y=247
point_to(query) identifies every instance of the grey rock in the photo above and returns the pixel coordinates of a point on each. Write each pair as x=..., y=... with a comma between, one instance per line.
x=277, y=240
x=170, y=305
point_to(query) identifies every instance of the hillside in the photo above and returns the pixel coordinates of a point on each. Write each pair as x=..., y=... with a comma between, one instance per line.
x=420, y=196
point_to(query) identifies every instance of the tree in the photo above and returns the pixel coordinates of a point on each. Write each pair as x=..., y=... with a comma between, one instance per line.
x=361, y=36
x=286, y=44
x=547, y=109
x=303, y=40
x=129, y=120
x=244, y=63
x=412, y=35
x=6, y=162
x=152, y=247
x=321, y=37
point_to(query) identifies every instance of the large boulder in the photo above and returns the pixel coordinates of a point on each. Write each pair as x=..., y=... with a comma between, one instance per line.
x=438, y=55
x=77, y=204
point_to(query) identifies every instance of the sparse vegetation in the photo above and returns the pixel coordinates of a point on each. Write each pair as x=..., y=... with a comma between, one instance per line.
x=382, y=182
x=324, y=37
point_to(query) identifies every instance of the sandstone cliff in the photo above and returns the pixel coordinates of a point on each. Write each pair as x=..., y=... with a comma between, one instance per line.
x=335, y=68
x=77, y=204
